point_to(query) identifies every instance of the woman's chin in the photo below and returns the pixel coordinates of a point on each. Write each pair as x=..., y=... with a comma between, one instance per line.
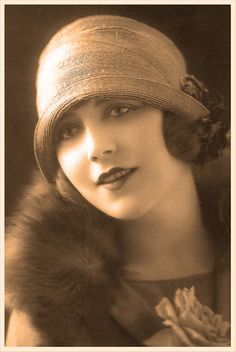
x=126, y=210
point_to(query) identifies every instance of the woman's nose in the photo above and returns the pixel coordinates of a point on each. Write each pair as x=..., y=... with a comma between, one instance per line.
x=100, y=147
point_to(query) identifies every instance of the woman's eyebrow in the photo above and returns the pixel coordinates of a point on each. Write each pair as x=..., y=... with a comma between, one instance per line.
x=67, y=117
x=73, y=111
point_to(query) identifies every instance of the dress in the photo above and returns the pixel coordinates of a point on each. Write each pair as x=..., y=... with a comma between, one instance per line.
x=67, y=275
x=134, y=308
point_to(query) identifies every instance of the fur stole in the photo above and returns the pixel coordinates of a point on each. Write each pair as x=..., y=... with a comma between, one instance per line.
x=61, y=269
x=63, y=259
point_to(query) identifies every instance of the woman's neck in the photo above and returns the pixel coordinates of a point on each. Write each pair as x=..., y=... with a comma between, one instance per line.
x=170, y=241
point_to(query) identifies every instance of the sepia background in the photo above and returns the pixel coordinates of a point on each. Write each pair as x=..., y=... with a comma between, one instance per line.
x=202, y=32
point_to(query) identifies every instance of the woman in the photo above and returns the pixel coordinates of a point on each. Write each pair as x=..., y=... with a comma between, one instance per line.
x=118, y=226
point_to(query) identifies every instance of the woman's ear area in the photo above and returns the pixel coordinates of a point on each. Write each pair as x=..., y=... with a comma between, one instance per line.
x=180, y=139
x=197, y=141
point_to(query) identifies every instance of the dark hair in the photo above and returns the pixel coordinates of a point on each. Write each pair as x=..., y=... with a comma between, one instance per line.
x=194, y=142
x=200, y=140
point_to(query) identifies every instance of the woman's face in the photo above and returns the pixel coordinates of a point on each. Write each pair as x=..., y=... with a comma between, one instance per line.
x=114, y=153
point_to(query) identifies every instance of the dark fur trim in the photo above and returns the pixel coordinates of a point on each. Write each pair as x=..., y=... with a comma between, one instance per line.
x=59, y=267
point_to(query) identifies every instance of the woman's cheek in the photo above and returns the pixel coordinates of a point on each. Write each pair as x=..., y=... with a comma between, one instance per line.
x=70, y=158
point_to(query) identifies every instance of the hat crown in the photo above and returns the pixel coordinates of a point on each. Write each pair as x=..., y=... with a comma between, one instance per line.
x=99, y=46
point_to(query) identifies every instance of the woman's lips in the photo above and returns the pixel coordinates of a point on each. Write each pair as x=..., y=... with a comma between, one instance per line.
x=115, y=178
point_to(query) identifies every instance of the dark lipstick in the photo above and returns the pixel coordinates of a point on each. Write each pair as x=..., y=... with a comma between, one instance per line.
x=114, y=175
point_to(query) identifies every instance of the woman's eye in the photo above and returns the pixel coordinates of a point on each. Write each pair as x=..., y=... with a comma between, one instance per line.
x=69, y=132
x=119, y=111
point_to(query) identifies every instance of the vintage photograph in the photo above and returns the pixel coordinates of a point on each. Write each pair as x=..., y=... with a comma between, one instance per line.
x=117, y=175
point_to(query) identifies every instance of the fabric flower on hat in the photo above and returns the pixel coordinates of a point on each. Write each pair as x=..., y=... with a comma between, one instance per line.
x=213, y=130
x=189, y=323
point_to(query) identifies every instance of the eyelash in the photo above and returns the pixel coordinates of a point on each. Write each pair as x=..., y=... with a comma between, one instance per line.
x=119, y=107
x=63, y=132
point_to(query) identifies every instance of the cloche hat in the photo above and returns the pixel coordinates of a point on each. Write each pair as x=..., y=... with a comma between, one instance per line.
x=107, y=56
